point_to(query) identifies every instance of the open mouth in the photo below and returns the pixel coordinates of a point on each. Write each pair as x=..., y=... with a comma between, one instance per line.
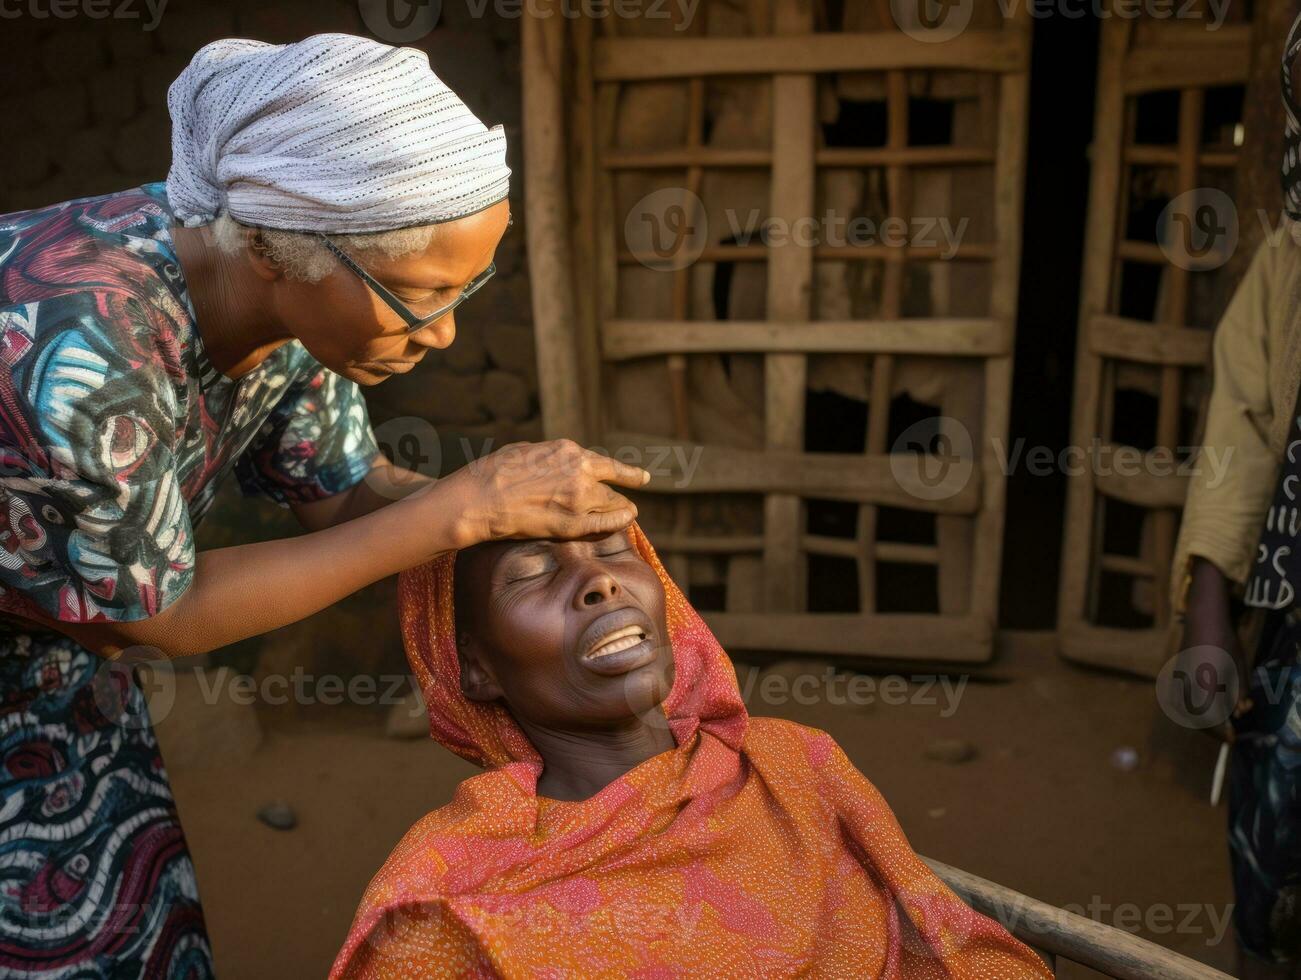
x=618, y=641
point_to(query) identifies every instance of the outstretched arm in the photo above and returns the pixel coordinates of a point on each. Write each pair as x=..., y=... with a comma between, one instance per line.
x=547, y=490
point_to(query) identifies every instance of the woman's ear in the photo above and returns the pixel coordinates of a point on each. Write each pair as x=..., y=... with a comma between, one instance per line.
x=260, y=256
x=477, y=682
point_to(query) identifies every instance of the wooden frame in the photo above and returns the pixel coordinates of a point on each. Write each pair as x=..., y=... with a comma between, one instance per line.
x=1063, y=937
x=584, y=323
x=1137, y=59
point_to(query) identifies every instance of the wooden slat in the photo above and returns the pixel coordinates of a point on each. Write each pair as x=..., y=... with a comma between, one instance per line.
x=757, y=251
x=833, y=476
x=626, y=59
x=881, y=386
x=905, y=156
x=724, y=158
x=583, y=143
x=1148, y=252
x=1127, y=565
x=1213, y=58
x=1168, y=156
x=699, y=544
x=681, y=157
x=555, y=316
x=1142, y=651
x=1009, y=192
x=904, y=553
x=825, y=544
x=627, y=339
x=1152, y=488
x=790, y=285
x=1148, y=343
x=892, y=636
x=1082, y=533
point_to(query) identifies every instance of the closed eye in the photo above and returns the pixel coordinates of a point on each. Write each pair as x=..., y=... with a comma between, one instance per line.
x=525, y=569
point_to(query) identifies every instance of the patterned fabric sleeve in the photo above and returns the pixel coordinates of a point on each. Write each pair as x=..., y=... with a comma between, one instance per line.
x=93, y=523
x=317, y=442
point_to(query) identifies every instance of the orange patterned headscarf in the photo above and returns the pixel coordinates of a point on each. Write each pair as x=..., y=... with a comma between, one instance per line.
x=754, y=848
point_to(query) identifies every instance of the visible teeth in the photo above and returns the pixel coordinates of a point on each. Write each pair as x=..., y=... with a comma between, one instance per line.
x=623, y=639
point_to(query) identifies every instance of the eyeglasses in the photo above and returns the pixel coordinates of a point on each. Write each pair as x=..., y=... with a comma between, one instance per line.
x=413, y=321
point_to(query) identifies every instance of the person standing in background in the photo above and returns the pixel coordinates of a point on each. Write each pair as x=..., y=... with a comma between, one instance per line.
x=1241, y=536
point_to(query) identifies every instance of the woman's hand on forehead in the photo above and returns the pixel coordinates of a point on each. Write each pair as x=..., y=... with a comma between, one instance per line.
x=550, y=490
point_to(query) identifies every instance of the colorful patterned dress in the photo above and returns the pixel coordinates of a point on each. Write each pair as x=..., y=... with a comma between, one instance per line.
x=115, y=431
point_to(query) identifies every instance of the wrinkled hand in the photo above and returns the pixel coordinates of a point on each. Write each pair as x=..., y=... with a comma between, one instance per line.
x=553, y=489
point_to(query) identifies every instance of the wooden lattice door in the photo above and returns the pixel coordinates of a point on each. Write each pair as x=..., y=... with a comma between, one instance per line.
x=1166, y=142
x=720, y=373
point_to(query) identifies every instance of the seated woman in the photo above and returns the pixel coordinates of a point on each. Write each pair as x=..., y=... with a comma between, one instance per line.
x=634, y=820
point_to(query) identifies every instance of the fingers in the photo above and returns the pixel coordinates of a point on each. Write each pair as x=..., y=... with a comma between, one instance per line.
x=601, y=516
x=609, y=470
x=564, y=457
x=602, y=523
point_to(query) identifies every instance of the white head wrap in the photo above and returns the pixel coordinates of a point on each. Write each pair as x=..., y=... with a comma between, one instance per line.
x=336, y=133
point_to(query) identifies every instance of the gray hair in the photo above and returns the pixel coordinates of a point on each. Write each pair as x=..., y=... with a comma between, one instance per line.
x=304, y=256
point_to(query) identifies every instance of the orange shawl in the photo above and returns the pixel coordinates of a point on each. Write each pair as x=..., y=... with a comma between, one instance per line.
x=754, y=848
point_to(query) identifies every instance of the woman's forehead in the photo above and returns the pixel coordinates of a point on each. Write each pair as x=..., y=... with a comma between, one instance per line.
x=539, y=546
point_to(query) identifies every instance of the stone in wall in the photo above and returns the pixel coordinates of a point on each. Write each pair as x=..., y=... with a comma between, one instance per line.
x=506, y=396
x=468, y=353
x=114, y=95
x=512, y=348
x=157, y=75
x=197, y=24
x=136, y=149
x=291, y=20
x=62, y=104
x=129, y=43
x=73, y=54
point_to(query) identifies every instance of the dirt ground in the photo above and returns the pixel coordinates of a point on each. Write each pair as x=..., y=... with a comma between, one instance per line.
x=1042, y=806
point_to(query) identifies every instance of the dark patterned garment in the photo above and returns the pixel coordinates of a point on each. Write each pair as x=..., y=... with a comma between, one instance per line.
x=114, y=433
x=1265, y=767
x=1265, y=798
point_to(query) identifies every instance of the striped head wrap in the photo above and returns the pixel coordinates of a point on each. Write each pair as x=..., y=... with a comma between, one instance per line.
x=336, y=133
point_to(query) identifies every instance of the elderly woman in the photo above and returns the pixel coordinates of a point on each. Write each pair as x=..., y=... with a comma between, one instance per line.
x=634, y=820
x=330, y=204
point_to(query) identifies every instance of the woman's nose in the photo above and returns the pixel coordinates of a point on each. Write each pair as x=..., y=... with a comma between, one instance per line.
x=438, y=334
x=595, y=589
